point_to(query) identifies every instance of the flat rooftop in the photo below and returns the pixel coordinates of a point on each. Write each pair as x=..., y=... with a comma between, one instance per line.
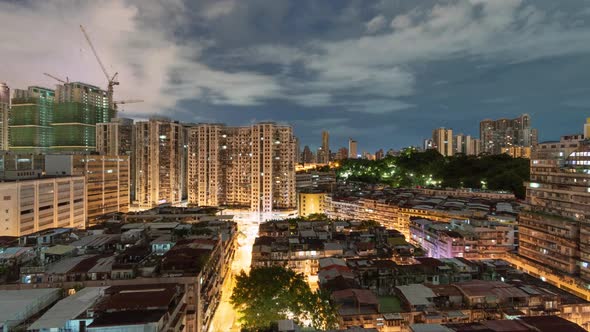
x=16, y=304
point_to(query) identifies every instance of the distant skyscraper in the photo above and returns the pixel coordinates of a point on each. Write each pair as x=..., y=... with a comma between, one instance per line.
x=497, y=134
x=442, y=140
x=379, y=154
x=427, y=144
x=4, y=113
x=30, y=120
x=78, y=108
x=159, y=144
x=463, y=144
x=587, y=129
x=352, y=149
x=297, y=151
x=250, y=166
x=476, y=146
x=307, y=156
x=368, y=155
x=323, y=155
x=342, y=154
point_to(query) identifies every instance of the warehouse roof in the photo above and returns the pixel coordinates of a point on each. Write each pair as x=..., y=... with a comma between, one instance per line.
x=16, y=304
x=68, y=308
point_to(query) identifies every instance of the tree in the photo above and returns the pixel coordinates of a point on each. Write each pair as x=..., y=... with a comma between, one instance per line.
x=317, y=217
x=268, y=294
x=367, y=224
x=431, y=169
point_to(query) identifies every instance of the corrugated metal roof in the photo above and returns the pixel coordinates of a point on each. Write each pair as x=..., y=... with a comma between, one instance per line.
x=68, y=308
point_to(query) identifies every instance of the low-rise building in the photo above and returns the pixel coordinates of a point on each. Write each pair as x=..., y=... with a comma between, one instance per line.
x=310, y=202
x=390, y=297
x=300, y=245
x=394, y=208
x=472, y=239
x=29, y=206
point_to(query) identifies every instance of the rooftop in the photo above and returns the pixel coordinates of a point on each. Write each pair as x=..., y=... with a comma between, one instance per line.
x=14, y=304
x=417, y=294
x=129, y=317
x=68, y=308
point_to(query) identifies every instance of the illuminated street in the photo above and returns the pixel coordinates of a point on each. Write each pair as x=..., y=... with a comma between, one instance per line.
x=226, y=319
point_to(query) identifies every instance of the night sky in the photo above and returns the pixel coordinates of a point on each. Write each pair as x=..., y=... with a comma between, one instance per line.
x=383, y=72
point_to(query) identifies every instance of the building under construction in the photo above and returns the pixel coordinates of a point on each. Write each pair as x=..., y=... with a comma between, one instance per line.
x=30, y=120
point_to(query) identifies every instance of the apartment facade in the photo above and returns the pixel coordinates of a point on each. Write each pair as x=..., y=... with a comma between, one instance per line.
x=310, y=202
x=115, y=137
x=29, y=206
x=555, y=230
x=352, y=149
x=158, y=156
x=465, y=144
x=250, y=167
x=324, y=150
x=471, y=239
x=107, y=180
x=496, y=134
x=30, y=120
x=442, y=141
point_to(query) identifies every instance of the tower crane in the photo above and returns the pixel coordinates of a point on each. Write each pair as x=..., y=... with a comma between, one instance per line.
x=123, y=102
x=111, y=79
x=57, y=78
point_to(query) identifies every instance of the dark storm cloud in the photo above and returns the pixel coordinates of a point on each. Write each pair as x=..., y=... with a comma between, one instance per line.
x=386, y=72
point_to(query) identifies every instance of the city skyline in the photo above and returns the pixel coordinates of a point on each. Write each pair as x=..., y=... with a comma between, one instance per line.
x=207, y=62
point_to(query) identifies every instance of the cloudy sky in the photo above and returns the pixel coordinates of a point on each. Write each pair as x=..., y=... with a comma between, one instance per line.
x=383, y=72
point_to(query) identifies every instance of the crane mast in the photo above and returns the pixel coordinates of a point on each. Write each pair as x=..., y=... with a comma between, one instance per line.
x=111, y=79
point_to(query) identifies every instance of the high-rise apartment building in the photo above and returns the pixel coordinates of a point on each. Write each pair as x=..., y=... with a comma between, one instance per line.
x=555, y=228
x=78, y=108
x=464, y=144
x=297, y=151
x=497, y=134
x=308, y=157
x=30, y=120
x=323, y=155
x=158, y=150
x=115, y=137
x=476, y=146
x=342, y=153
x=352, y=149
x=442, y=141
x=587, y=129
x=250, y=166
x=107, y=180
x=4, y=113
x=30, y=206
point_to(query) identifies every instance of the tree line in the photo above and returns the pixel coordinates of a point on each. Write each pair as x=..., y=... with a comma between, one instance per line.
x=431, y=169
